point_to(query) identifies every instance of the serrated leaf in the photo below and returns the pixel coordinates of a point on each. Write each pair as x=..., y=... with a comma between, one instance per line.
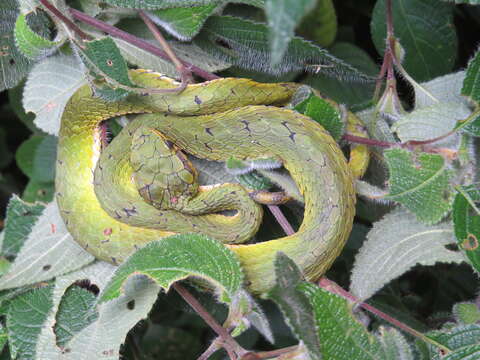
x=37, y=191
x=426, y=32
x=394, y=344
x=75, y=312
x=466, y=220
x=420, y=182
x=49, y=251
x=324, y=113
x=394, y=245
x=282, y=17
x=342, y=336
x=183, y=23
x=294, y=305
x=49, y=86
x=31, y=44
x=466, y=313
x=25, y=318
x=471, y=84
x=245, y=44
x=347, y=92
x=19, y=222
x=462, y=340
x=443, y=89
x=431, y=122
x=177, y=257
x=13, y=65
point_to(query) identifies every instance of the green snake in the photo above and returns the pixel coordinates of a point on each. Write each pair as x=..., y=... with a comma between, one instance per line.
x=110, y=211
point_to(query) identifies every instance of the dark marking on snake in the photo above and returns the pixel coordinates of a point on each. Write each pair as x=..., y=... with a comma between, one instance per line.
x=169, y=144
x=208, y=131
x=117, y=215
x=246, y=123
x=197, y=100
x=208, y=147
x=114, y=261
x=105, y=241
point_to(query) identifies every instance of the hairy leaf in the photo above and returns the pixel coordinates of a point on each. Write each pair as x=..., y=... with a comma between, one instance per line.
x=471, y=84
x=48, y=251
x=25, y=319
x=466, y=313
x=282, y=17
x=183, y=23
x=49, y=86
x=342, y=336
x=394, y=245
x=466, y=220
x=320, y=24
x=158, y=4
x=294, y=305
x=420, y=182
x=426, y=32
x=245, y=44
x=441, y=89
x=462, y=340
x=177, y=257
x=37, y=191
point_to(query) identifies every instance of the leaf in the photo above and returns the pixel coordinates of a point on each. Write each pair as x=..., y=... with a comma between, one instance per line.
x=466, y=313
x=31, y=44
x=426, y=32
x=36, y=158
x=466, y=220
x=183, y=23
x=20, y=220
x=25, y=152
x=49, y=86
x=324, y=113
x=394, y=245
x=462, y=340
x=159, y=4
x=342, y=336
x=37, y=191
x=320, y=24
x=282, y=17
x=420, y=182
x=13, y=65
x=431, y=122
x=347, y=92
x=245, y=44
x=74, y=313
x=471, y=2
x=177, y=257
x=3, y=337
x=49, y=251
x=443, y=88
x=394, y=344
x=294, y=305
x=25, y=318
x=471, y=84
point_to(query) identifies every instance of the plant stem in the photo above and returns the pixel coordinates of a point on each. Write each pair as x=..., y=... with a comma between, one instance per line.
x=185, y=75
x=334, y=288
x=69, y=23
x=281, y=219
x=228, y=341
x=145, y=45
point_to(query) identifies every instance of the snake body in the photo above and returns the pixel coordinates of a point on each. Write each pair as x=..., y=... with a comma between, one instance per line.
x=215, y=124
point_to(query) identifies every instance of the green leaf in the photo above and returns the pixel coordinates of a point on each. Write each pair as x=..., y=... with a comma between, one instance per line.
x=74, y=313
x=48, y=251
x=3, y=337
x=25, y=319
x=426, y=32
x=342, y=336
x=25, y=153
x=347, y=92
x=294, y=305
x=177, y=257
x=36, y=157
x=471, y=84
x=394, y=344
x=183, y=23
x=31, y=44
x=466, y=220
x=443, y=89
x=15, y=96
x=49, y=86
x=324, y=113
x=466, y=313
x=420, y=182
x=159, y=4
x=282, y=17
x=394, y=245
x=20, y=219
x=462, y=340
x=320, y=25
x=13, y=64
x=38, y=191
x=245, y=44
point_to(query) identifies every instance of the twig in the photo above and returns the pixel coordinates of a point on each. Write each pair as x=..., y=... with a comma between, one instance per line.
x=69, y=23
x=281, y=219
x=145, y=45
x=274, y=353
x=214, y=346
x=185, y=74
x=228, y=341
x=334, y=288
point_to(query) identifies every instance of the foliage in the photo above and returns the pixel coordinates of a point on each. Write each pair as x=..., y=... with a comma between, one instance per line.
x=413, y=247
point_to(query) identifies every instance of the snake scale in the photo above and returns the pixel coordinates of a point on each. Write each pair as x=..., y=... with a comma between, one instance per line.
x=215, y=120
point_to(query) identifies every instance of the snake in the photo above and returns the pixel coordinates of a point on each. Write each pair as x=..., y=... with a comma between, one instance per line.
x=112, y=208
